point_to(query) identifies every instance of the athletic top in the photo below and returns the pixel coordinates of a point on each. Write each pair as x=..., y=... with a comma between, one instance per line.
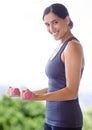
x=61, y=113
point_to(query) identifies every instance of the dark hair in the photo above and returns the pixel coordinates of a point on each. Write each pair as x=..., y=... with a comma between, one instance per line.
x=58, y=9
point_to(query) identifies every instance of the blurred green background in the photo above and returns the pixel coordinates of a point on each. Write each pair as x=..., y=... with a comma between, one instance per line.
x=21, y=115
x=17, y=114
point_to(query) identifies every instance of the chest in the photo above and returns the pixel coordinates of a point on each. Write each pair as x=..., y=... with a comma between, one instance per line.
x=55, y=67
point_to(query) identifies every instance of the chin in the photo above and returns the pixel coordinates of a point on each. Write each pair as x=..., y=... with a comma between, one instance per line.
x=57, y=39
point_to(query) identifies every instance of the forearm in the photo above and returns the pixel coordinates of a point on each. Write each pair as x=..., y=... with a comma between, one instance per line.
x=41, y=91
x=60, y=95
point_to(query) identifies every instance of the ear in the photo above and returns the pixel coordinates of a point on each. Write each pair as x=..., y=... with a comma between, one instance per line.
x=67, y=19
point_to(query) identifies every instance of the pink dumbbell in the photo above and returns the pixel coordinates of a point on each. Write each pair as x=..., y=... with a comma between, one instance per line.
x=16, y=92
x=26, y=95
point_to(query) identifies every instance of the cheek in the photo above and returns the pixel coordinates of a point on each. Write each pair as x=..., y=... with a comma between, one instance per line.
x=48, y=30
x=64, y=29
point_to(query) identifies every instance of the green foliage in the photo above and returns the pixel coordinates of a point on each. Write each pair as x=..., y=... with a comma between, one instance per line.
x=88, y=120
x=16, y=114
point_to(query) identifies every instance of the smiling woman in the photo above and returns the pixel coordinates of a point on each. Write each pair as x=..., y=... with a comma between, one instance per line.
x=24, y=42
x=19, y=37
x=64, y=72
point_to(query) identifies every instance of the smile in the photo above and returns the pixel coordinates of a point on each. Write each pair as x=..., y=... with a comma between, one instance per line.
x=54, y=34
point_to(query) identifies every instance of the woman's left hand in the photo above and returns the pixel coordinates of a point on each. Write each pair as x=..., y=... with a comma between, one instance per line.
x=27, y=94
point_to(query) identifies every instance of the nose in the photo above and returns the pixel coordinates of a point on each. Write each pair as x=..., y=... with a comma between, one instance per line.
x=51, y=28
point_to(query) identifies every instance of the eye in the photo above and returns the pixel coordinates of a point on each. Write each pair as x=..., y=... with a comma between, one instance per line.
x=55, y=22
x=47, y=24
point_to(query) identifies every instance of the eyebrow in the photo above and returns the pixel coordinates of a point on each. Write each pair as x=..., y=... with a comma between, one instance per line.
x=51, y=21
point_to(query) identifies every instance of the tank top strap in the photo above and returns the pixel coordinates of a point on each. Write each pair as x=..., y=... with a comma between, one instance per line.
x=66, y=42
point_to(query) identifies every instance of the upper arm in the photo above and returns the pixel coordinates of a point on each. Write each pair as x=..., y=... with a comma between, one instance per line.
x=73, y=63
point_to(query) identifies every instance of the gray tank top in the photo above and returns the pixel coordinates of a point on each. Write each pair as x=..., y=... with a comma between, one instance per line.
x=61, y=113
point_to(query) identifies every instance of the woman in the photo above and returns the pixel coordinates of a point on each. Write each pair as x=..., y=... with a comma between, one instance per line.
x=64, y=70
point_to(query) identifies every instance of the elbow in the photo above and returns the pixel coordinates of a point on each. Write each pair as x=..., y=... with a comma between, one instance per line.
x=73, y=94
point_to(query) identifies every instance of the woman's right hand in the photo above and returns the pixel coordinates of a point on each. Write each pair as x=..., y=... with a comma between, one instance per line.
x=13, y=92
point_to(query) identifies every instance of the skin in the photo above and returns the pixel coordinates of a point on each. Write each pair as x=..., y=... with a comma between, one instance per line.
x=72, y=57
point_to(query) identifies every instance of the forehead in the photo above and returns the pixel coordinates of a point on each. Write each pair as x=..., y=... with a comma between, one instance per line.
x=50, y=17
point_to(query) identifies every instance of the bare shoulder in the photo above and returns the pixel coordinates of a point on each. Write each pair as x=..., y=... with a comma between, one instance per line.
x=73, y=51
x=74, y=46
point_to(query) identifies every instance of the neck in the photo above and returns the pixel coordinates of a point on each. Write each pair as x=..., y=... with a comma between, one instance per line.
x=66, y=36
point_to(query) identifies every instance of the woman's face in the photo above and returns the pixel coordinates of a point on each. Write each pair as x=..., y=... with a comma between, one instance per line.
x=56, y=26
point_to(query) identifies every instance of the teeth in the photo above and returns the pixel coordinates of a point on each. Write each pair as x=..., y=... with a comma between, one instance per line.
x=54, y=33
